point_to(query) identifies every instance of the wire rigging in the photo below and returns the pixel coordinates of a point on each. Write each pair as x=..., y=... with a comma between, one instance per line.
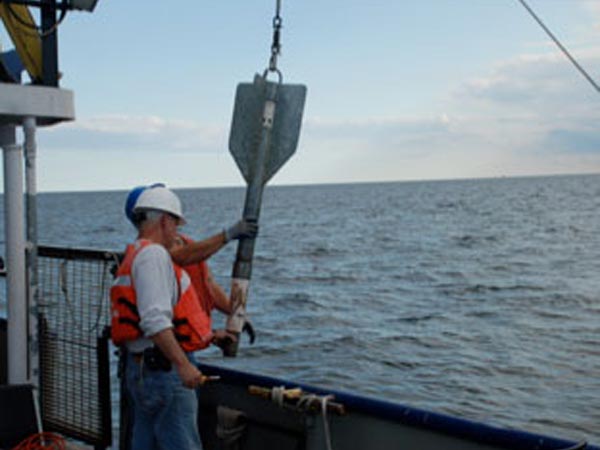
x=560, y=46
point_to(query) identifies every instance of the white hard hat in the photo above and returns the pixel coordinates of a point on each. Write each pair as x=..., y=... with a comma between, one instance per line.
x=160, y=198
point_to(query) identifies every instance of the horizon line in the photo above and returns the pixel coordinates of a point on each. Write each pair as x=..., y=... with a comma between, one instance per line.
x=335, y=183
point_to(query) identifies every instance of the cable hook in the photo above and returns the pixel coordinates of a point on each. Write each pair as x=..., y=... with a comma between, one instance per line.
x=276, y=45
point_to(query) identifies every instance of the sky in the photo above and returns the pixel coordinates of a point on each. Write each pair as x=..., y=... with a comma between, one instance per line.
x=397, y=90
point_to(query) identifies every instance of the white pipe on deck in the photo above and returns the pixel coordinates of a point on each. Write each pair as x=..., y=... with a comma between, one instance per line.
x=15, y=256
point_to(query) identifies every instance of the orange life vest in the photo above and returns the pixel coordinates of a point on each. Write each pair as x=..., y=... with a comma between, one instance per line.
x=198, y=273
x=191, y=325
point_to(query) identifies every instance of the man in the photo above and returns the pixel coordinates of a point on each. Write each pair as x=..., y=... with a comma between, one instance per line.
x=157, y=316
x=193, y=252
x=192, y=256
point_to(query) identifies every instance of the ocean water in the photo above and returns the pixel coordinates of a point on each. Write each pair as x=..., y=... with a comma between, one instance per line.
x=477, y=298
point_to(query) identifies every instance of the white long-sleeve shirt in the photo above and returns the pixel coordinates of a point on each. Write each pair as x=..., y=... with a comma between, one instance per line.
x=156, y=289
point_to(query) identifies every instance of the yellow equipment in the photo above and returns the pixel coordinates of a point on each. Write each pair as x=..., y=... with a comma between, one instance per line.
x=21, y=27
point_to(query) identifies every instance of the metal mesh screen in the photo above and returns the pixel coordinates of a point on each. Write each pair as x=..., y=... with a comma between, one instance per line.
x=74, y=314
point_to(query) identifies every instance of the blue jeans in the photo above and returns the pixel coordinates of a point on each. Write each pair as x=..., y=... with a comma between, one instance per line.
x=164, y=411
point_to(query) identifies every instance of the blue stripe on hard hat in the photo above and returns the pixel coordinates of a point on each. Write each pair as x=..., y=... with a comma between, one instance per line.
x=132, y=199
x=133, y=196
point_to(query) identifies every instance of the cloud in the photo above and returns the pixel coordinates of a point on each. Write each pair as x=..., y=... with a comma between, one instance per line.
x=380, y=132
x=449, y=145
x=543, y=81
x=530, y=81
x=136, y=133
x=120, y=133
x=536, y=104
x=531, y=114
x=593, y=7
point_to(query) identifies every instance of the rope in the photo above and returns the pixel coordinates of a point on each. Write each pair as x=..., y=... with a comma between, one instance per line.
x=277, y=395
x=560, y=46
x=305, y=402
x=42, y=441
x=324, y=401
x=579, y=446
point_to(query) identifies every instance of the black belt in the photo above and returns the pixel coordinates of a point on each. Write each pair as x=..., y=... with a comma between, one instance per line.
x=153, y=359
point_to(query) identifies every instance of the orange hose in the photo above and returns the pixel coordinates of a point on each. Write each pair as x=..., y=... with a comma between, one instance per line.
x=42, y=441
